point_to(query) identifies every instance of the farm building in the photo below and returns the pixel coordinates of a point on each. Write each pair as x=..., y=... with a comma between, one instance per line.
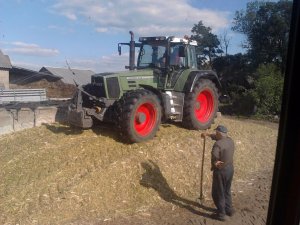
x=68, y=76
x=22, y=76
x=58, y=82
x=5, y=66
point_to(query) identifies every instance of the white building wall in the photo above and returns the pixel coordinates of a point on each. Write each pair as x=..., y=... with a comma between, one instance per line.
x=4, y=79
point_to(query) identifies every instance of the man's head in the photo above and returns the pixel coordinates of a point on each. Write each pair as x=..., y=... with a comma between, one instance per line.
x=221, y=131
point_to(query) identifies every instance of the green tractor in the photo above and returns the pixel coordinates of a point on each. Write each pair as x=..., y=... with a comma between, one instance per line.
x=164, y=85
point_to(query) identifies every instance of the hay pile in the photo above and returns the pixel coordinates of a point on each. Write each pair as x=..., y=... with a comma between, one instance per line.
x=55, y=174
x=54, y=89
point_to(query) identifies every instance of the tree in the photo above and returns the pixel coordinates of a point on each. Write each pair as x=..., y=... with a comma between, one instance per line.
x=266, y=26
x=234, y=70
x=235, y=75
x=224, y=42
x=268, y=89
x=208, y=43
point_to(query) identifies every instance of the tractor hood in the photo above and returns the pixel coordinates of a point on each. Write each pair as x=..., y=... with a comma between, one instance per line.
x=131, y=74
x=115, y=84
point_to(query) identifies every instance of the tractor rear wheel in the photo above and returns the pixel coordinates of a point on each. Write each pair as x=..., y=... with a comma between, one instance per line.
x=138, y=115
x=201, y=105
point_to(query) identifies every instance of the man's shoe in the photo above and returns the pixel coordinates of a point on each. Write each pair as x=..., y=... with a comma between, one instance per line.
x=218, y=216
x=230, y=212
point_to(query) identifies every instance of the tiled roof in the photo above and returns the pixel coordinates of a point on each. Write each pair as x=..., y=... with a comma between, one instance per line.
x=69, y=75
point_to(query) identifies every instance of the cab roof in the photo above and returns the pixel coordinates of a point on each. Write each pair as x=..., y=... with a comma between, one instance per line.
x=173, y=40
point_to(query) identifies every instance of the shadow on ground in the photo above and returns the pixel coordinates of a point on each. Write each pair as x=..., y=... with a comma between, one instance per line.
x=106, y=130
x=153, y=178
x=68, y=130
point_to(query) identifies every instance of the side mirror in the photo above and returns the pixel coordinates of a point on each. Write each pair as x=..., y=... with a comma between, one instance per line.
x=181, y=51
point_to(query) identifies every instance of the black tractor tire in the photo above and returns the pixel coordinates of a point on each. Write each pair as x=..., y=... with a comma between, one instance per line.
x=201, y=105
x=138, y=115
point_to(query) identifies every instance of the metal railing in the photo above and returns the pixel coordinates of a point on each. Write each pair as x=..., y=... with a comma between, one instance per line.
x=22, y=95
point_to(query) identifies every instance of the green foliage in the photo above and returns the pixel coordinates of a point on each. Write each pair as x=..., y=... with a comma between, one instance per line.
x=253, y=80
x=263, y=99
x=244, y=104
x=208, y=43
x=235, y=75
x=268, y=90
x=233, y=70
x=266, y=26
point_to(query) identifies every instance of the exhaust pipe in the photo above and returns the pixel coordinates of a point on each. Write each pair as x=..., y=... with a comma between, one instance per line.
x=131, y=52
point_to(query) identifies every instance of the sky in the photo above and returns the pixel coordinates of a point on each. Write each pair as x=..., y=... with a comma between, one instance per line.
x=84, y=33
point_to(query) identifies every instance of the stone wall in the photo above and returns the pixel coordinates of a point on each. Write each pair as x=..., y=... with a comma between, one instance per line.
x=18, y=119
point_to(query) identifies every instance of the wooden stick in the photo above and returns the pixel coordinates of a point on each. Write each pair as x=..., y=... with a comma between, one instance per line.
x=202, y=168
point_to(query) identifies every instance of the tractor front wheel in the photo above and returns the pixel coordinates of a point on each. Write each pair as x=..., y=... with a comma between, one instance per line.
x=139, y=115
x=201, y=105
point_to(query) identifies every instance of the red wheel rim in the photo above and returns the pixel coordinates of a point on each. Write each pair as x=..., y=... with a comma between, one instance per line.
x=145, y=118
x=204, y=106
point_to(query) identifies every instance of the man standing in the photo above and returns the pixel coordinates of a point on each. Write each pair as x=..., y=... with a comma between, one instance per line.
x=222, y=167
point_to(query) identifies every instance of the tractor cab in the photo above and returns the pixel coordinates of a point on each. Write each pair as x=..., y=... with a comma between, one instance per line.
x=164, y=52
x=168, y=57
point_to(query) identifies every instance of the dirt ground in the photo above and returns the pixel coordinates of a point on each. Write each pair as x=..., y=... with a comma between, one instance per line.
x=55, y=174
x=251, y=206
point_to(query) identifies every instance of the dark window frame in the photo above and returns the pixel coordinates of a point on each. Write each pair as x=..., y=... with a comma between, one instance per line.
x=284, y=206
